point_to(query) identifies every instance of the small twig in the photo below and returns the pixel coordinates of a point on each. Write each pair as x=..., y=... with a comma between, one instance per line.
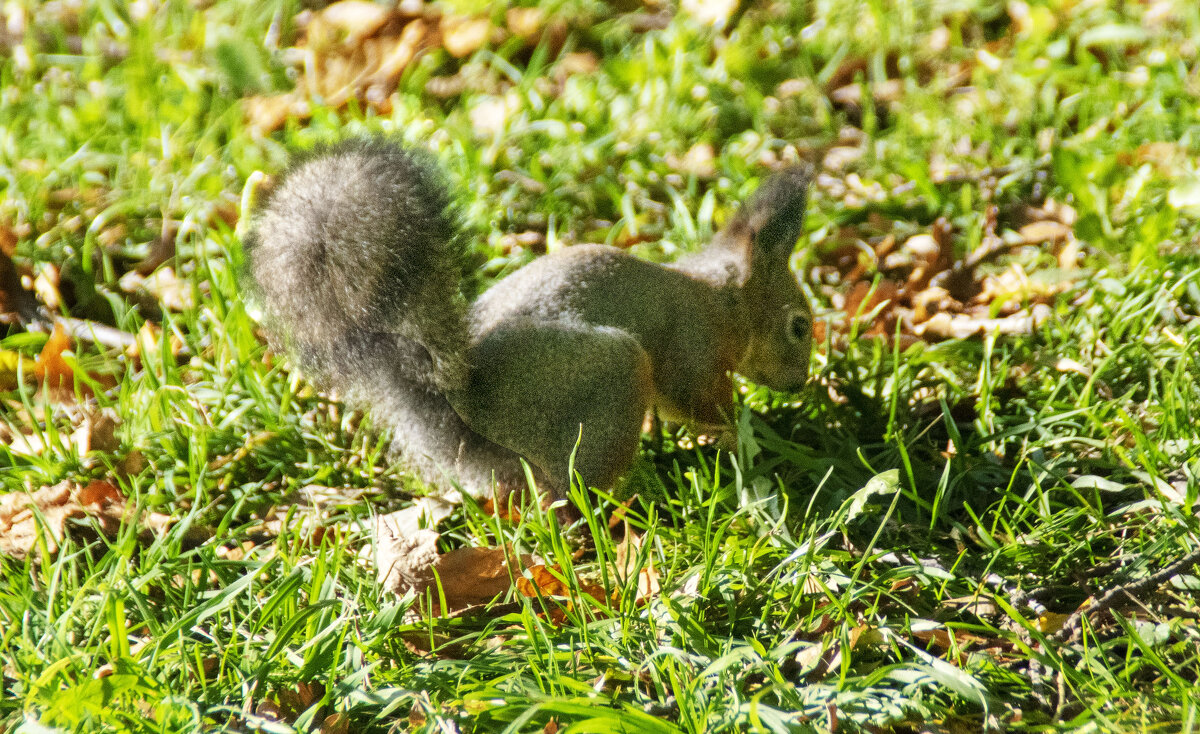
x=83, y=330
x=974, y=176
x=1037, y=671
x=1075, y=622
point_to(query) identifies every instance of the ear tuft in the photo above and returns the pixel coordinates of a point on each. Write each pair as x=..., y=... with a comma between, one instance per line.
x=775, y=212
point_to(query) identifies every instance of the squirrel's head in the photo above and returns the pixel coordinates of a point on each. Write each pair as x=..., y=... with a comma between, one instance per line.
x=778, y=316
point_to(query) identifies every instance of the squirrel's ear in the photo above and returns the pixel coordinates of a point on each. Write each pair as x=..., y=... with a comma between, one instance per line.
x=775, y=214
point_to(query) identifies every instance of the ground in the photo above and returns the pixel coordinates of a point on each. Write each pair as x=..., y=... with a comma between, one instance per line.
x=980, y=514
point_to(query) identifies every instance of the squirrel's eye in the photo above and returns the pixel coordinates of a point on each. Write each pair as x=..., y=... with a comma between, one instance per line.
x=800, y=327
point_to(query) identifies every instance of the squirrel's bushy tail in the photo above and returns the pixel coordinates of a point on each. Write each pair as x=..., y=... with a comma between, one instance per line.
x=355, y=258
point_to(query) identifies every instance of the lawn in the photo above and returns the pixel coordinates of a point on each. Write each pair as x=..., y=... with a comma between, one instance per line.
x=980, y=514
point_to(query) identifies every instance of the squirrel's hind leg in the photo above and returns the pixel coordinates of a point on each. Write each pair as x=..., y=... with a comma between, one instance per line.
x=433, y=441
x=541, y=388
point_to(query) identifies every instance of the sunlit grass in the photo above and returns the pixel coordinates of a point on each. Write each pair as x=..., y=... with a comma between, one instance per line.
x=887, y=551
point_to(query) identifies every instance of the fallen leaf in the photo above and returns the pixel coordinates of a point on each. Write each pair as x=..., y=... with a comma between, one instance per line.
x=338, y=723
x=349, y=21
x=710, y=12
x=1044, y=231
x=168, y=289
x=464, y=35
x=55, y=375
x=20, y=529
x=541, y=580
x=699, y=161
x=409, y=561
x=626, y=560
x=875, y=303
x=961, y=326
x=97, y=431
x=506, y=511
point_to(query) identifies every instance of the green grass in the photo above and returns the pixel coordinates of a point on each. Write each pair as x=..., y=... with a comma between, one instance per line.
x=891, y=550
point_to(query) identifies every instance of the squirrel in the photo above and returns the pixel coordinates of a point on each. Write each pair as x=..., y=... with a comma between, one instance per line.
x=356, y=259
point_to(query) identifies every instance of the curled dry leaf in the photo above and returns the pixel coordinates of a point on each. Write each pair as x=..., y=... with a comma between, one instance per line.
x=409, y=560
x=167, y=288
x=20, y=528
x=699, y=161
x=97, y=431
x=464, y=35
x=886, y=91
x=922, y=288
x=710, y=12
x=55, y=375
x=626, y=560
x=961, y=326
x=546, y=581
x=525, y=23
x=348, y=50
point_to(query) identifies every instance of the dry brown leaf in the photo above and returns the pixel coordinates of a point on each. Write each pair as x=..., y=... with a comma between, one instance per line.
x=349, y=50
x=544, y=581
x=961, y=326
x=525, y=23
x=625, y=562
x=541, y=580
x=338, y=723
x=56, y=378
x=699, y=161
x=862, y=301
x=168, y=289
x=464, y=35
x=347, y=22
x=471, y=576
x=97, y=431
x=408, y=560
x=20, y=529
x=710, y=12
x=506, y=511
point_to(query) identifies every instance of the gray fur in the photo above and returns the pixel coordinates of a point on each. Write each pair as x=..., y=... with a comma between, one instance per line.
x=357, y=261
